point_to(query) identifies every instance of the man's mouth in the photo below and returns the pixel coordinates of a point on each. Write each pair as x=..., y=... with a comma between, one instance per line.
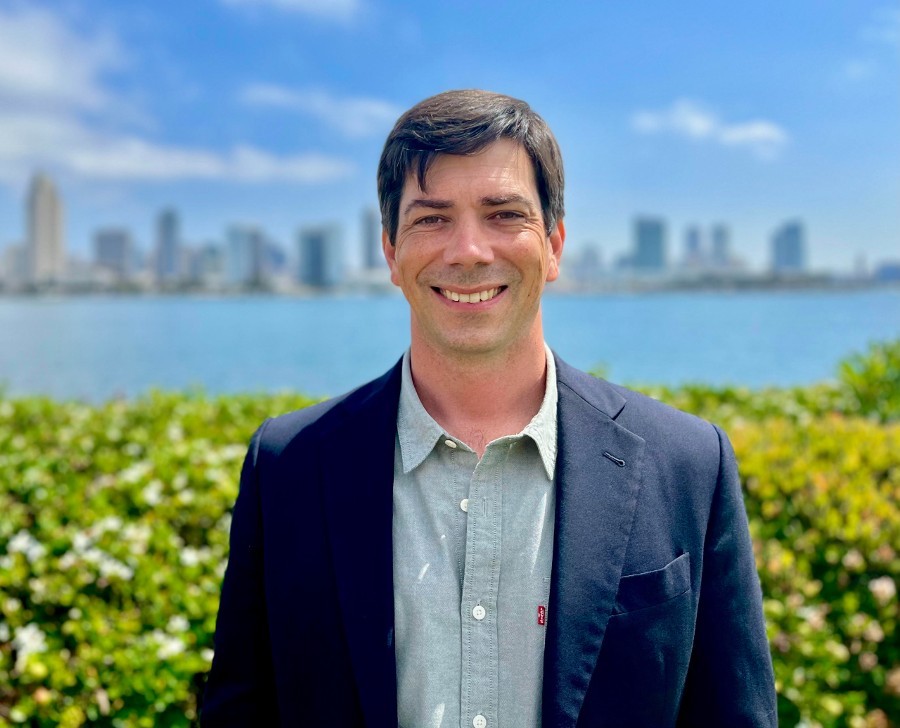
x=476, y=297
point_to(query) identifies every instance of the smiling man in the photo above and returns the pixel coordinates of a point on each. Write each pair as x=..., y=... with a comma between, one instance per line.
x=485, y=536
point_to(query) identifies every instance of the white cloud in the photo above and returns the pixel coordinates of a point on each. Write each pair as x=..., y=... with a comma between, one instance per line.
x=856, y=70
x=884, y=26
x=690, y=119
x=43, y=64
x=64, y=143
x=341, y=10
x=355, y=117
x=55, y=113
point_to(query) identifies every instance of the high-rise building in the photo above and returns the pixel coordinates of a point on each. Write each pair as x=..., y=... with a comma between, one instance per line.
x=320, y=256
x=14, y=266
x=721, y=246
x=168, y=244
x=114, y=252
x=46, y=241
x=789, y=248
x=208, y=265
x=588, y=266
x=371, y=239
x=693, y=247
x=649, y=245
x=246, y=256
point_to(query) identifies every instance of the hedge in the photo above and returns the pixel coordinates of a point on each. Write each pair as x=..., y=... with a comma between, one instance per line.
x=114, y=535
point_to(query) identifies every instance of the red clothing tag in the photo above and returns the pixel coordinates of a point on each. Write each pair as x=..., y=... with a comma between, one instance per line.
x=542, y=615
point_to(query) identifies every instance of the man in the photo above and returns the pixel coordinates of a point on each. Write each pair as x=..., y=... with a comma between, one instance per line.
x=485, y=536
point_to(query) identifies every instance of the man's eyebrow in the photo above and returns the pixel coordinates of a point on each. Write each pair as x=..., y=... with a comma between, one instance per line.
x=499, y=200
x=427, y=204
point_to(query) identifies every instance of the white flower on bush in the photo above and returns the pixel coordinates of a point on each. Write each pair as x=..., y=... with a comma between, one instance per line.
x=26, y=544
x=873, y=632
x=81, y=541
x=135, y=473
x=152, y=493
x=110, y=567
x=110, y=523
x=178, y=623
x=4, y=632
x=883, y=589
x=224, y=523
x=27, y=641
x=168, y=645
x=106, y=564
x=138, y=537
x=189, y=556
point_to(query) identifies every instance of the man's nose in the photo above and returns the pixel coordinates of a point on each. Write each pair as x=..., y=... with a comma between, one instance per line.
x=468, y=244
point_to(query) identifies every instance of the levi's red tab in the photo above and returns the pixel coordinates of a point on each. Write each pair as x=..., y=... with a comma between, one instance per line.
x=542, y=615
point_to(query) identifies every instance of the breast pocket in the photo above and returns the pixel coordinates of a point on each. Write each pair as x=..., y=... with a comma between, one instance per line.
x=639, y=591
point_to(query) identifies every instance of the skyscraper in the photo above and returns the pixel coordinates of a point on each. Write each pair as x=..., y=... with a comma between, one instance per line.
x=789, y=248
x=246, y=256
x=114, y=252
x=371, y=239
x=320, y=256
x=693, y=247
x=721, y=246
x=168, y=244
x=46, y=242
x=649, y=245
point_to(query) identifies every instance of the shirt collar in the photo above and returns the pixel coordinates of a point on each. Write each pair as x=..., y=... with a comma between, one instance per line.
x=418, y=432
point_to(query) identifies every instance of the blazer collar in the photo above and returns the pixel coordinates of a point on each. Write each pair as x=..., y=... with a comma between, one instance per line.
x=357, y=448
x=599, y=477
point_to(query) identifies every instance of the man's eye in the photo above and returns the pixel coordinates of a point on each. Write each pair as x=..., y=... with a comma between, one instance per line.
x=508, y=215
x=429, y=220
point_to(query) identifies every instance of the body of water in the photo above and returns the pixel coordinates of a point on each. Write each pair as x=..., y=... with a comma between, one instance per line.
x=96, y=348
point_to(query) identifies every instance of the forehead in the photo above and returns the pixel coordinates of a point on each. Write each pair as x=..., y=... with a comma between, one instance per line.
x=501, y=167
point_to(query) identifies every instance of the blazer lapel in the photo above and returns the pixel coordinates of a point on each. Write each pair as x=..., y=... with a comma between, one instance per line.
x=598, y=480
x=359, y=454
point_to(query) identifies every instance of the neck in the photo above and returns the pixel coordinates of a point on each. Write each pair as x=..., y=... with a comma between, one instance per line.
x=478, y=398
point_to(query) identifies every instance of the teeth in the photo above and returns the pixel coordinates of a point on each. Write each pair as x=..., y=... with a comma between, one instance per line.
x=470, y=297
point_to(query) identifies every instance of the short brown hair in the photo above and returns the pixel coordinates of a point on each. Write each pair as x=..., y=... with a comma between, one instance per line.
x=465, y=122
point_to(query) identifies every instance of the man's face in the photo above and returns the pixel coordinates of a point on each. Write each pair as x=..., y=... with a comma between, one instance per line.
x=472, y=253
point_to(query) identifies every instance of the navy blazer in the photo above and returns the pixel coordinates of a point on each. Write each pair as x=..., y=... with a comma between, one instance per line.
x=655, y=614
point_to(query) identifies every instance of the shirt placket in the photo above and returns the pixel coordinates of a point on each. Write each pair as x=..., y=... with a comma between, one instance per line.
x=478, y=609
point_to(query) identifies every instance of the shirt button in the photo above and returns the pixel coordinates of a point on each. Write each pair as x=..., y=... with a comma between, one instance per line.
x=478, y=612
x=479, y=721
x=464, y=505
x=450, y=443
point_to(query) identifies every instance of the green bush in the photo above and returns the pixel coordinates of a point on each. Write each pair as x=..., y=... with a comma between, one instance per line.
x=113, y=542
x=115, y=518
x=873, y=379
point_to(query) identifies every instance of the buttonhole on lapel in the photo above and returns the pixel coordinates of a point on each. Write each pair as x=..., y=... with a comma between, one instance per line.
x=617, y=461
x=390, y=637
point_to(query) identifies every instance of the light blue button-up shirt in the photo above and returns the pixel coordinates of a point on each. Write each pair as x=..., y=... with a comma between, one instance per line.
x=472, y=554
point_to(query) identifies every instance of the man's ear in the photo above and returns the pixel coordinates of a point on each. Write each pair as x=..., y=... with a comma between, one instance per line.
x=555, y=241
x=390, y=255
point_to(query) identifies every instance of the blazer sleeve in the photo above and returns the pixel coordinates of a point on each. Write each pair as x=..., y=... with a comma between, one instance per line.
x=240, y=686
x=730, y=680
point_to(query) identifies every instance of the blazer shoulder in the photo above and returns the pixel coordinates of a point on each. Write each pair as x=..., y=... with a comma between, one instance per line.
x=646, y=417
x=277, y=433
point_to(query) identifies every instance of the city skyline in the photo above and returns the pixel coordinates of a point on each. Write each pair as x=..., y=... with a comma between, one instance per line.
x=248, y=258
x=275, y=111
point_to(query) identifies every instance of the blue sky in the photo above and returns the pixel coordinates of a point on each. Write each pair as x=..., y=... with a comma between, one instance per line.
x=274, y=111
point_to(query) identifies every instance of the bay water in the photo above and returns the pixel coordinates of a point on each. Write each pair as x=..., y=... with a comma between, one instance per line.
x=94, y=348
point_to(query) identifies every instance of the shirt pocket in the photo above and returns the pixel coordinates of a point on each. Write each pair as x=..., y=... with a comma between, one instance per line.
x=639, y=591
